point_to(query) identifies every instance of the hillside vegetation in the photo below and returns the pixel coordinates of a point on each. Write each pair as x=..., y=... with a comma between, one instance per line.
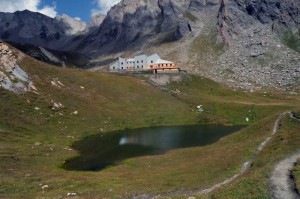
x=36, y=135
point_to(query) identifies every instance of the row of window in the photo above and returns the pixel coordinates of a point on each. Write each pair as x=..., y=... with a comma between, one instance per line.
x=122, y=63
x=165, y=64
x=151, y=66
x=159, y=65
x=129, y=67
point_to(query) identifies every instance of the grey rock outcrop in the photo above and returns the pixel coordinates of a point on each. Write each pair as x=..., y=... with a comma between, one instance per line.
x=256, y=56
x=39, y=30
x=97, y=20
x=131, y=23
x=237, y=15
x=70, y=25
x=12, y=77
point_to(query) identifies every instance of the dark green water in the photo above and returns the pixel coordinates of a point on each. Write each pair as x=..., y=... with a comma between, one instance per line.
x=100, y=151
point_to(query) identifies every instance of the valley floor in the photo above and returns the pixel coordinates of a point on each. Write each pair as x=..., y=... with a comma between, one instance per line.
x=37, y=136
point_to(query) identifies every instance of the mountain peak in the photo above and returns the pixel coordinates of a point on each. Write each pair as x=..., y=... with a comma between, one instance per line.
x=97, y=20
x=71, y=25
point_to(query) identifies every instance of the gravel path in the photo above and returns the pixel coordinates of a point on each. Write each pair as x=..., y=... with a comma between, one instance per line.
x=245, y=167
x=282, y=184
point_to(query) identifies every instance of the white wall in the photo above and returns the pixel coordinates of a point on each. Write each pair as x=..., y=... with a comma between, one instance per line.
x=114, y=66
x=140, y=62
x=152, y=59
x=122, y=63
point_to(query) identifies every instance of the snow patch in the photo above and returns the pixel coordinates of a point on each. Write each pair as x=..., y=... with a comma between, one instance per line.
x=49, y=55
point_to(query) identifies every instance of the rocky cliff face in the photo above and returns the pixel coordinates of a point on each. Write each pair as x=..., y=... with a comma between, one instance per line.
x=12, y=77
x=97, y=20
x=60, y=33
x=238, y=15
x=258, y=52
x=243, y=43
x=69, y=25
x=40, y=30
x=132, y=22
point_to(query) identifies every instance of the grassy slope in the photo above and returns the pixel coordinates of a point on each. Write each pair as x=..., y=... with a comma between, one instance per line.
x=255, y=184
x=116, y=102
x=232, y=107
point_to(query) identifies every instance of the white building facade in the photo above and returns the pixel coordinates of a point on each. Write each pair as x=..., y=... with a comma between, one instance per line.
x=143, y=63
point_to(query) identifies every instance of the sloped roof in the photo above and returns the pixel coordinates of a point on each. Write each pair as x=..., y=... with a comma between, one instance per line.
x=161, y=61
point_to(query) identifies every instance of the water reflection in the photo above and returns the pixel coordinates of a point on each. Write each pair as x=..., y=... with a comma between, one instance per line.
x=100, y=151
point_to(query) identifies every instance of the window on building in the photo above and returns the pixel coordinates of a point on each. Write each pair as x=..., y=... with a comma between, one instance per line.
x=122, y=63
x=122, y=67
x=138, y=67
x=142, y=61
x=142, y=66
x=114, y=67
x=151, y=61
x=137, y=61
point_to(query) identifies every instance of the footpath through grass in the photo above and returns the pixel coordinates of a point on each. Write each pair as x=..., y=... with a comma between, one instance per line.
x=255, y=183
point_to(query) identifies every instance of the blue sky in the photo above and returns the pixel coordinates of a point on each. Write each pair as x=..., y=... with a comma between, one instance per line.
x=73, y=8
x=82, y=9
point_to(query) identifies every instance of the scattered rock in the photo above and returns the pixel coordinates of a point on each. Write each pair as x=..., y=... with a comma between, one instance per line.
x=69, y=136
x=199, y=108
x=71, y=194
x=33, y=88
x=75, y=113
x=55, y=82
x=57, y=106
x=45, y=187
x=37, y=144
x=37, y=108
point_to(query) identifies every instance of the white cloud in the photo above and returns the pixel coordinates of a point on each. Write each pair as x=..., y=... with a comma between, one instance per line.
x=32, y=5
x=78, y=18
x=103, y=6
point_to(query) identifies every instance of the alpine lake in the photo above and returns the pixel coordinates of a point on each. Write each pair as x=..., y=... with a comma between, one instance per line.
x=104, y=150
